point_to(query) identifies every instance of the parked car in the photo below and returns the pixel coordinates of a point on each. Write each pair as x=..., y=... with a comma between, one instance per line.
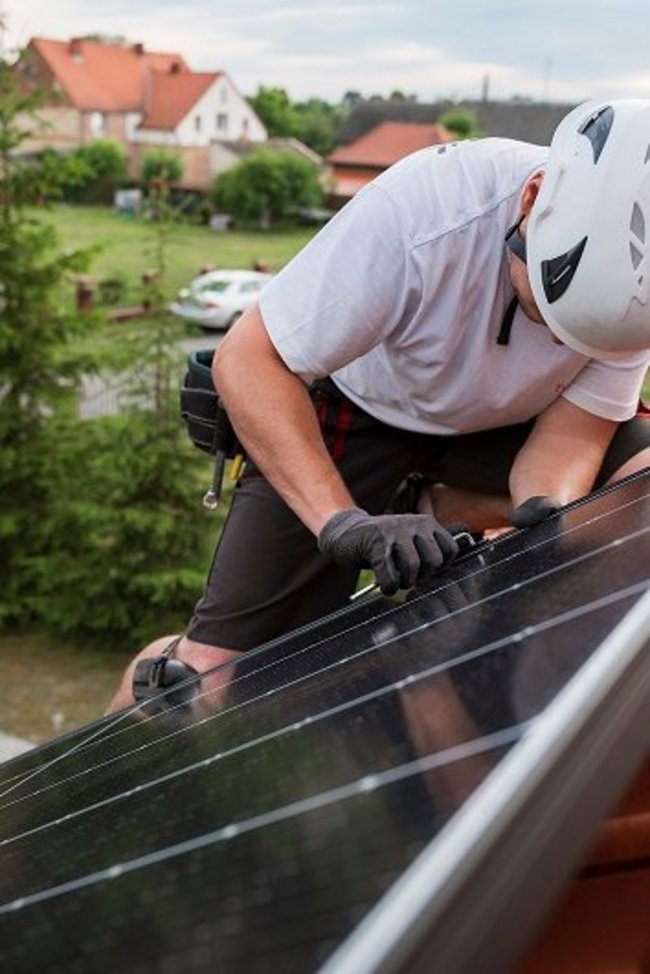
x=216, y=299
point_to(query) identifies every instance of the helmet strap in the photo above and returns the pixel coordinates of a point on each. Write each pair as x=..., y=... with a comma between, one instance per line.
x=515, y=243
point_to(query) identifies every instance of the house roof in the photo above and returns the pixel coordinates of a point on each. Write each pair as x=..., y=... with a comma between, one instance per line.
x=173, y=95
x=389, y=142
x=528, y=121
x=104, y=77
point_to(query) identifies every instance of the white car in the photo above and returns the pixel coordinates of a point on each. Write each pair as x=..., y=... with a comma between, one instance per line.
x=216, y=299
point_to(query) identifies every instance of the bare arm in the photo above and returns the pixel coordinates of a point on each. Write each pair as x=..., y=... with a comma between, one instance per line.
x=563, y=454
x=275, y=420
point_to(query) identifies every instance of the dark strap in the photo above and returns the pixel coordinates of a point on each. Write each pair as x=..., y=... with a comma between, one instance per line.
x=503, y=338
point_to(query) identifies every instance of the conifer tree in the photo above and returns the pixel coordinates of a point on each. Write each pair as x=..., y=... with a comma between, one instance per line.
x=38, y=379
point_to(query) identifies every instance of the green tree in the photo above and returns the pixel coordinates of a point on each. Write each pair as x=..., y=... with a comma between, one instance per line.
x=39, y=374
x=127, y=560
x=276, y=110
x=319, y=123
x=161, y=165
x=461, y=122
x=106, y=165
x=267, y=186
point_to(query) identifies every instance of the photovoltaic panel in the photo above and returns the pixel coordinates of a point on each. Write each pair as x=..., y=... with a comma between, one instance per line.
x=326, y=779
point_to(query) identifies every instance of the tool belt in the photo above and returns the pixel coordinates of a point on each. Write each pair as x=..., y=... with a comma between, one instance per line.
x=207, y=421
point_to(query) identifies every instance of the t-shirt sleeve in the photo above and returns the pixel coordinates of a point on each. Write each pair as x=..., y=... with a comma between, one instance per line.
x=610, y=389
x=344, y=292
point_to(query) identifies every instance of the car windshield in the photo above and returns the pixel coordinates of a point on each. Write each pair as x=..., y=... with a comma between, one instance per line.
x=213, y=285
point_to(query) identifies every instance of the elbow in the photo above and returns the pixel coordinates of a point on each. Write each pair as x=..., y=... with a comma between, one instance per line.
x=225, y=359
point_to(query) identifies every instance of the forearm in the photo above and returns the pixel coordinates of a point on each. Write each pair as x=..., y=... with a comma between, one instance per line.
x=562, y=456
x=275, y=420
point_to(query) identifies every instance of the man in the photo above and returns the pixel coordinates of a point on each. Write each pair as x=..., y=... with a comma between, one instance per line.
x=478, y=315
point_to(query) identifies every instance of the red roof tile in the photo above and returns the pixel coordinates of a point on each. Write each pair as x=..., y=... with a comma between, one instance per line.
x=104, y=77
x=173, y=96
x=388, y=143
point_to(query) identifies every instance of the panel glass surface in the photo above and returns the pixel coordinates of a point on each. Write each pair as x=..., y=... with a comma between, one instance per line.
x=254, y=830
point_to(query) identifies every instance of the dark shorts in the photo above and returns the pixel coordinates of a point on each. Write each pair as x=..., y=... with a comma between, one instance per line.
x=267, y=575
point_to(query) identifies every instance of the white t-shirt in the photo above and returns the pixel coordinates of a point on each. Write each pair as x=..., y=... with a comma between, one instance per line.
x=400, y=298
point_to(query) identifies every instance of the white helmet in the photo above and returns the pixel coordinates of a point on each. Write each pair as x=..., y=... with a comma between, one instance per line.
x=588, y=233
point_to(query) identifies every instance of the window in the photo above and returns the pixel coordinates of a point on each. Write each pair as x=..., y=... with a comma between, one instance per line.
x=222, y=122
x=197, y=123
x=97, y=124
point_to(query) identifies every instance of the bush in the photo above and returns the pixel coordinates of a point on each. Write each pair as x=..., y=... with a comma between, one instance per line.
x=161, y=165
x=100, y=168
x=267, y=186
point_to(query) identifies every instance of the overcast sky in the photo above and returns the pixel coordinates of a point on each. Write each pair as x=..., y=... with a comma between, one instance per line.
x=557, y=50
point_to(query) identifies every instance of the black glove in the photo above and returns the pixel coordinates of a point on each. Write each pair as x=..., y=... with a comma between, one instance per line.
x=401, y=549
x=534, y=511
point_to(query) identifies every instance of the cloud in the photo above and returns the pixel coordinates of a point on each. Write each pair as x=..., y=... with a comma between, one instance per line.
x=429, y=49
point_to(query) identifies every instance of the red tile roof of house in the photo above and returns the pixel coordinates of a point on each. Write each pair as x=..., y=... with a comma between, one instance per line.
x=388, y=143
x=104, y=77
x=173, y=96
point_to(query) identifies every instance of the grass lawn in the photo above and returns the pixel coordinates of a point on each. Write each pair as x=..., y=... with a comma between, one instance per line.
x=128, y=244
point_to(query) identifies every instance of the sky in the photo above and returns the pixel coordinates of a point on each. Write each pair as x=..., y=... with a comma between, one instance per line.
x=554, y=50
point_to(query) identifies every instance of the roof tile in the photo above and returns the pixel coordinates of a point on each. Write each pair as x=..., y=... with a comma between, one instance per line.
x=104, y=77
x=389, y=142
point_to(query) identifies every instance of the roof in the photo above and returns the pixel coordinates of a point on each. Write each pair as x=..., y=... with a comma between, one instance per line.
x=173, y=95
x=389, y=142
x=528, y=121
x=104, y=77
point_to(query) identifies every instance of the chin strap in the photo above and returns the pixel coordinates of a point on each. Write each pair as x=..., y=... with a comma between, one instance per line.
x=503, y=338
x=165, y=679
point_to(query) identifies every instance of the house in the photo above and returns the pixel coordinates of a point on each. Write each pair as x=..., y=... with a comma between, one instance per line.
x=142, y=99
x=355, y=164
x=527, y=121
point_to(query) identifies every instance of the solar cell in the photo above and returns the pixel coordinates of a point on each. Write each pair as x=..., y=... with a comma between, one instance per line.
x=338, y=797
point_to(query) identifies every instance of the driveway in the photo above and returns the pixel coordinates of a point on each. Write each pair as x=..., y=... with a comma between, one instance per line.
x=101, y=394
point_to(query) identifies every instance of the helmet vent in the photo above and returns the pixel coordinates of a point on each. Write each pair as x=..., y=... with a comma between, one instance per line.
x=558, y=272
x=636, y=256
x=637, y=223
x=597, y=129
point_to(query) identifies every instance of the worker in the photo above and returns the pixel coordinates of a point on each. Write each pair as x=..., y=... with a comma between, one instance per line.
x=478, y=315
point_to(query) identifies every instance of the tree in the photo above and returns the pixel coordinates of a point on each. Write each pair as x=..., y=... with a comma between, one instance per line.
x=398, y=95
x=318, y=124
x=100, y=523
x=276, y=110
x=105, y=166
x=161, y=164
x=461, y=122
x=267, y=186
x=126, y=557
x=39, y=375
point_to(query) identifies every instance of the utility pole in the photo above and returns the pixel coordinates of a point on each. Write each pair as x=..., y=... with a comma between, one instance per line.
x=548, y=64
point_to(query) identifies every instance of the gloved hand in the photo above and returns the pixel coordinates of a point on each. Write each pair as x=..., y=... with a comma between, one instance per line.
x=534, y=511
x=401, y=549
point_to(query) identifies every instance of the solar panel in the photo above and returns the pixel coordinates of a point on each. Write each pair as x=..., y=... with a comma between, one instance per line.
x=396, y=788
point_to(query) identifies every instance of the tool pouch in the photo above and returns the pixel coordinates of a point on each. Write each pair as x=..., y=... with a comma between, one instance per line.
x=207, y=421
